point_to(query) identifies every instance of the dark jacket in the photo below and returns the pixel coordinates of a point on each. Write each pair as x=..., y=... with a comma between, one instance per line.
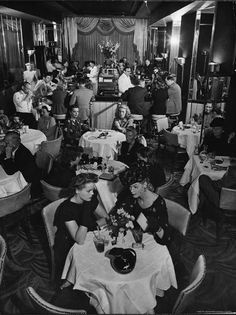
x=23, y=161
x=135, y=98
x=129, y=157
x=159, y=97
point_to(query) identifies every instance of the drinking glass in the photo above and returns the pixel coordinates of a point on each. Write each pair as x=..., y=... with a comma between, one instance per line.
x=99, y=243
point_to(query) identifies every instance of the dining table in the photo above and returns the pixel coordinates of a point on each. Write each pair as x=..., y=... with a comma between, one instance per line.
x=32, y=139
x=109, y=188
x=196, y=167
x=188, y=137
x=116, y=293
x=11, y=184
x=105, y=143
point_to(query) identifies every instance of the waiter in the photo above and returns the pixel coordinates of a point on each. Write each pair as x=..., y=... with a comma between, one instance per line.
x=23, y=104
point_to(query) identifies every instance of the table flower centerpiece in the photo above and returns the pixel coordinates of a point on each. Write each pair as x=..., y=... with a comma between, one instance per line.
x=109, y=49
x=119, y=222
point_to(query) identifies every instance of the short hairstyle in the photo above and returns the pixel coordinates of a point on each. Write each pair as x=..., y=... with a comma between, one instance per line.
x=171, y=77
x=13, y=133
x=135, y=81
x=46, y=107
x=92, y=61
x=82, y=80
x=127, y=67
x=131, y=129
x=82, y=179
x=73, y=107
x=122, y=106
x=217, y=122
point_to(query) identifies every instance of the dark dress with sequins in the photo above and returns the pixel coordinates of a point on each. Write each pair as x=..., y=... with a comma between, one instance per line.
x=157, y=211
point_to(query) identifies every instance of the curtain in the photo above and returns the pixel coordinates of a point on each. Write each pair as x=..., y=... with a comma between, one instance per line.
x=11, y=49
x=83, y=34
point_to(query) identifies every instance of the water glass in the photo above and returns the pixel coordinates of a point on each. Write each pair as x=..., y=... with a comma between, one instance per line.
x=99, y=243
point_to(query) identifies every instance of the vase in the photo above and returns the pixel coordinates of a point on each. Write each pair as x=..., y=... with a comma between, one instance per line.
x=108, y=62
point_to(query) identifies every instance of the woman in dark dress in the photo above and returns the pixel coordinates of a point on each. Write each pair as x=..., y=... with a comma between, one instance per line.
x=75, y=217
x=143, y=200
x=159, y=97
x=128, y=150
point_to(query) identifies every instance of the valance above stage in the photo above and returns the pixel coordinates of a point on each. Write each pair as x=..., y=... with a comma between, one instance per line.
x=77, y=29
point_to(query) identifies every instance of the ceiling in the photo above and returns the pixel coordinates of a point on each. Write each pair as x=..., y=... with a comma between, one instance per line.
x=56, y=10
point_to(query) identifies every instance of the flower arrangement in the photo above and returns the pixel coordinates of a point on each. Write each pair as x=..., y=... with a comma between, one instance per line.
x=120, y=221
x=108, y=48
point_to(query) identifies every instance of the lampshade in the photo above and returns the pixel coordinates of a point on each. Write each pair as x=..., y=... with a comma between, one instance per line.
x=180, y=60
x=214, y=67
x=30, y=52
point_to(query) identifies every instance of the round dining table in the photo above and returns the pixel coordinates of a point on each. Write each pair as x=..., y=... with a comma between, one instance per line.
x=192, y=171
x=116, y=293
x=188, y=138
x=32, y=139
x=103, y=146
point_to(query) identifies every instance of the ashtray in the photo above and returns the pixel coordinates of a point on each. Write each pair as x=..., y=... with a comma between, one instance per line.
x=219, y=161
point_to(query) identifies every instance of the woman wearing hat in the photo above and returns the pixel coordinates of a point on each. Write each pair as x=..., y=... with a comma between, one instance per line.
x=145, y=201
x=216, y=139
x=122, y=118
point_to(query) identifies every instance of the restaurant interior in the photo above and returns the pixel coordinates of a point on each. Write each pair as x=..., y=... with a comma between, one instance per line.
x=191, y=44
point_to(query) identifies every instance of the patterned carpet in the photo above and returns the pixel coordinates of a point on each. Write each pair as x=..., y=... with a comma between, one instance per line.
x=218, y=291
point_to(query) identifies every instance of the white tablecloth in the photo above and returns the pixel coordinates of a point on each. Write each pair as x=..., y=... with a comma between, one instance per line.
x=187, y=139
x=108, y=190
x=114, y=293
x=11, y=184
x=32, y=139
x=102, y=146
x=193, y=169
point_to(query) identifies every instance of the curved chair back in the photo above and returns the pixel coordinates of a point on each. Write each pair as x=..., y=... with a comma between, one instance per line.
x=3, y=252
x=51, y=192
x=52, y=147
x=171, y=139
x=228, y=200
x=48, y=214
x=44, y=161
x=45, y=307
x=15, y=202
x=178, y=216
x=161, y=190
x=187, y=295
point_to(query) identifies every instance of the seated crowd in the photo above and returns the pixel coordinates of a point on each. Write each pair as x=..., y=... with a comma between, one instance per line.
x=37, y=101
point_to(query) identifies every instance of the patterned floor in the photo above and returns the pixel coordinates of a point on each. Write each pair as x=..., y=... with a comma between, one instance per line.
x=218, y=291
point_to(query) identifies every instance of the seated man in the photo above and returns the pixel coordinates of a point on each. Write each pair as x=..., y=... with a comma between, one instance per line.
x=16, y=157
x=216, y=139
x=210, y=189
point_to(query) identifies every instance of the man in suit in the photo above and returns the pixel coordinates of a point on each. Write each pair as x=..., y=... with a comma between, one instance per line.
x=210, y=189
x=174, y=101
x=14, y=156
x=135, y=97
x=82, y=97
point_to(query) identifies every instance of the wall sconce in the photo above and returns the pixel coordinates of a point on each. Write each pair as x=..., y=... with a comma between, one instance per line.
x=214, y=67
x=180, y=61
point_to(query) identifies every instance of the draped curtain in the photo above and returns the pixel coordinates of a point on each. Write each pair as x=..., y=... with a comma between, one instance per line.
x=83, y=34
x=11, y=49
